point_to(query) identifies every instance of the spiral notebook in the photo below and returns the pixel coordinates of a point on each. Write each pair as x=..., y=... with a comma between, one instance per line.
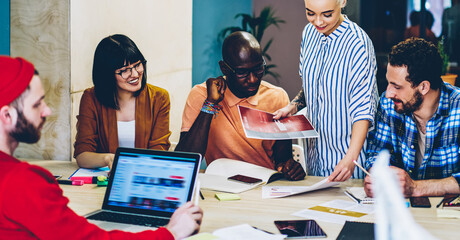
x=358, y=195
x=357, y=231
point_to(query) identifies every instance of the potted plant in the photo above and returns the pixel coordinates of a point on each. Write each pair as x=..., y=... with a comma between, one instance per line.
x=446, y=77
x=256, y=25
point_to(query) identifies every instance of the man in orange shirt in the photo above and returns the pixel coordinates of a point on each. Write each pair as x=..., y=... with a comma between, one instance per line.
x=211, y=123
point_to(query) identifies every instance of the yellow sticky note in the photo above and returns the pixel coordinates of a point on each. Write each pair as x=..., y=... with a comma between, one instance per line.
x=227, y=196
x=202, y=236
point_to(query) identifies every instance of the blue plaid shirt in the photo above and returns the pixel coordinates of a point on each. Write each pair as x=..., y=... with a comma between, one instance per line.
x=398, y=133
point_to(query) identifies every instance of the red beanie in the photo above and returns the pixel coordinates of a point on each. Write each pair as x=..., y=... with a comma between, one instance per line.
x=16, y=74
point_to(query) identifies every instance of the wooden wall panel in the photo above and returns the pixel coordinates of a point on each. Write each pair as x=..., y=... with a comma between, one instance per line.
x=40, y=33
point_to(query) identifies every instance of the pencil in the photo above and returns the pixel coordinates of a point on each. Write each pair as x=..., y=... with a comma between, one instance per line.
x=361, y=167
x=197, y=192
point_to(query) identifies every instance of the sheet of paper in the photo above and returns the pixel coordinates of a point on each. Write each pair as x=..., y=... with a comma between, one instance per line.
x=203, y=236
x=89, y=172
x=245, y=231
x=284, y=191
x=260, y=125
x=336, y=211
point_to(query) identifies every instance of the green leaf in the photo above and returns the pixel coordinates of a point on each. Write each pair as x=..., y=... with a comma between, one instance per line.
x=267, y=56
x=269, y=66
x=267, y=45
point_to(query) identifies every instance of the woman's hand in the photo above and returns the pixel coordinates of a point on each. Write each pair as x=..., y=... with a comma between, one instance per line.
x=343, y=171
x=287, y=111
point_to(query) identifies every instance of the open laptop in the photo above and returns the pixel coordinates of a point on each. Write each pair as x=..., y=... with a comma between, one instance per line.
x=145, y=187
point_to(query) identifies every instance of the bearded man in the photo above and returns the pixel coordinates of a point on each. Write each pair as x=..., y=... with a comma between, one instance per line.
x=418, y=121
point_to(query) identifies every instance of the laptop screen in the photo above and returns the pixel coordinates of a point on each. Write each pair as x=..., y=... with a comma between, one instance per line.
x=154, y=181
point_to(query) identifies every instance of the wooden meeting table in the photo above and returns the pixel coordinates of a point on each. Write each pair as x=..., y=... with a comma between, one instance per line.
x=252, y=209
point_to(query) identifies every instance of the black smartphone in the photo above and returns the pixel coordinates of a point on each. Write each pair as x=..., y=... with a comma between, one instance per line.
x=421, y=202
x=244, y=179
x=300, y=229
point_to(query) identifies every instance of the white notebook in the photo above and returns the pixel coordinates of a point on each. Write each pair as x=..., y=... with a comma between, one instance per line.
x=358, y=195
x=217, y=173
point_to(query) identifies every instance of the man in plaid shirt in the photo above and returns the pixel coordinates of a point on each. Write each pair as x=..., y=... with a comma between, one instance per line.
x=418, y=121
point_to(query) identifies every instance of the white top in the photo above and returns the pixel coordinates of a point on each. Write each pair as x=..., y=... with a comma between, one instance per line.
x=420, y=151
x=126, y=133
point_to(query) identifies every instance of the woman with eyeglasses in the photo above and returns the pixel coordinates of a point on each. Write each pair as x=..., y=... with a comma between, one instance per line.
x=337, y=68
x=121, y=110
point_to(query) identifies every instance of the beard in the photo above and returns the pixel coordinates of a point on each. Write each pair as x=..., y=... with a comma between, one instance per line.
x=25, y=131
x=410, y=106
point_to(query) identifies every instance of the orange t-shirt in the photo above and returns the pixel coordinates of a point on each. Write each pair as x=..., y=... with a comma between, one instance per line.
x=226, y=135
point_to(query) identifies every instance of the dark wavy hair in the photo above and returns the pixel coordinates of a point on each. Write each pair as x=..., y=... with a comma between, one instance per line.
x=422, y=60
x=112, y=53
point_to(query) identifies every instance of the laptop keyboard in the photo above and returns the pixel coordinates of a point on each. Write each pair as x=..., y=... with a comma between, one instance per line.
x=129, y=219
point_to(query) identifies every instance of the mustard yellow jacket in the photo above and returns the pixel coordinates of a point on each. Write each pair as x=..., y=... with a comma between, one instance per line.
x=97, y=124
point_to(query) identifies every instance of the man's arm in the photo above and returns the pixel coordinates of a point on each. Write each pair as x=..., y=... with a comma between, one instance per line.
x=419, y=188
x=429, y=187
x=196, y=138
x=381, y=136
x=284, y=163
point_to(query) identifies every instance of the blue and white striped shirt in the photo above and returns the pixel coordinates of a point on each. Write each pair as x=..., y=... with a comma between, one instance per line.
x=338, y=75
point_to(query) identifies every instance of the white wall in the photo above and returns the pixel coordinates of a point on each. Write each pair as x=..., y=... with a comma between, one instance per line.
x=162, y=30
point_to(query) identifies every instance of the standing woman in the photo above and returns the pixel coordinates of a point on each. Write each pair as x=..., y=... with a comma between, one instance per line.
x=337, y=68
x=121, y=110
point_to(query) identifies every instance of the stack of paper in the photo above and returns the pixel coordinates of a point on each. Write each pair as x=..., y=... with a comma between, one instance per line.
x=450, y=207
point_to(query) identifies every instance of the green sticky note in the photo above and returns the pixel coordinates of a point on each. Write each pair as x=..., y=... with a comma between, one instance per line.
x=227, y=196
x=202, y=236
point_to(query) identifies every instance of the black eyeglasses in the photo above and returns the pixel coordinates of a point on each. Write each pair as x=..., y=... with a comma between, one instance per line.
x=127, y=72
x=244, y=73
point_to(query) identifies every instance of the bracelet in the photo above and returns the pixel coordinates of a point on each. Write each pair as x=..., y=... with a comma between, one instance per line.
x=211, y=108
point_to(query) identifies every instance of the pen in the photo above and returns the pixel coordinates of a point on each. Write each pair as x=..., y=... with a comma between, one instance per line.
x=454, y=201
x=352, y=197
x=364, y=170
x=262, y=230
x=439, y=204
x=197, y=192
x=201, y=195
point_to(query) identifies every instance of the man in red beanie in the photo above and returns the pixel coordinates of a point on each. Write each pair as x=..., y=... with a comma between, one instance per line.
x=31, y=203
